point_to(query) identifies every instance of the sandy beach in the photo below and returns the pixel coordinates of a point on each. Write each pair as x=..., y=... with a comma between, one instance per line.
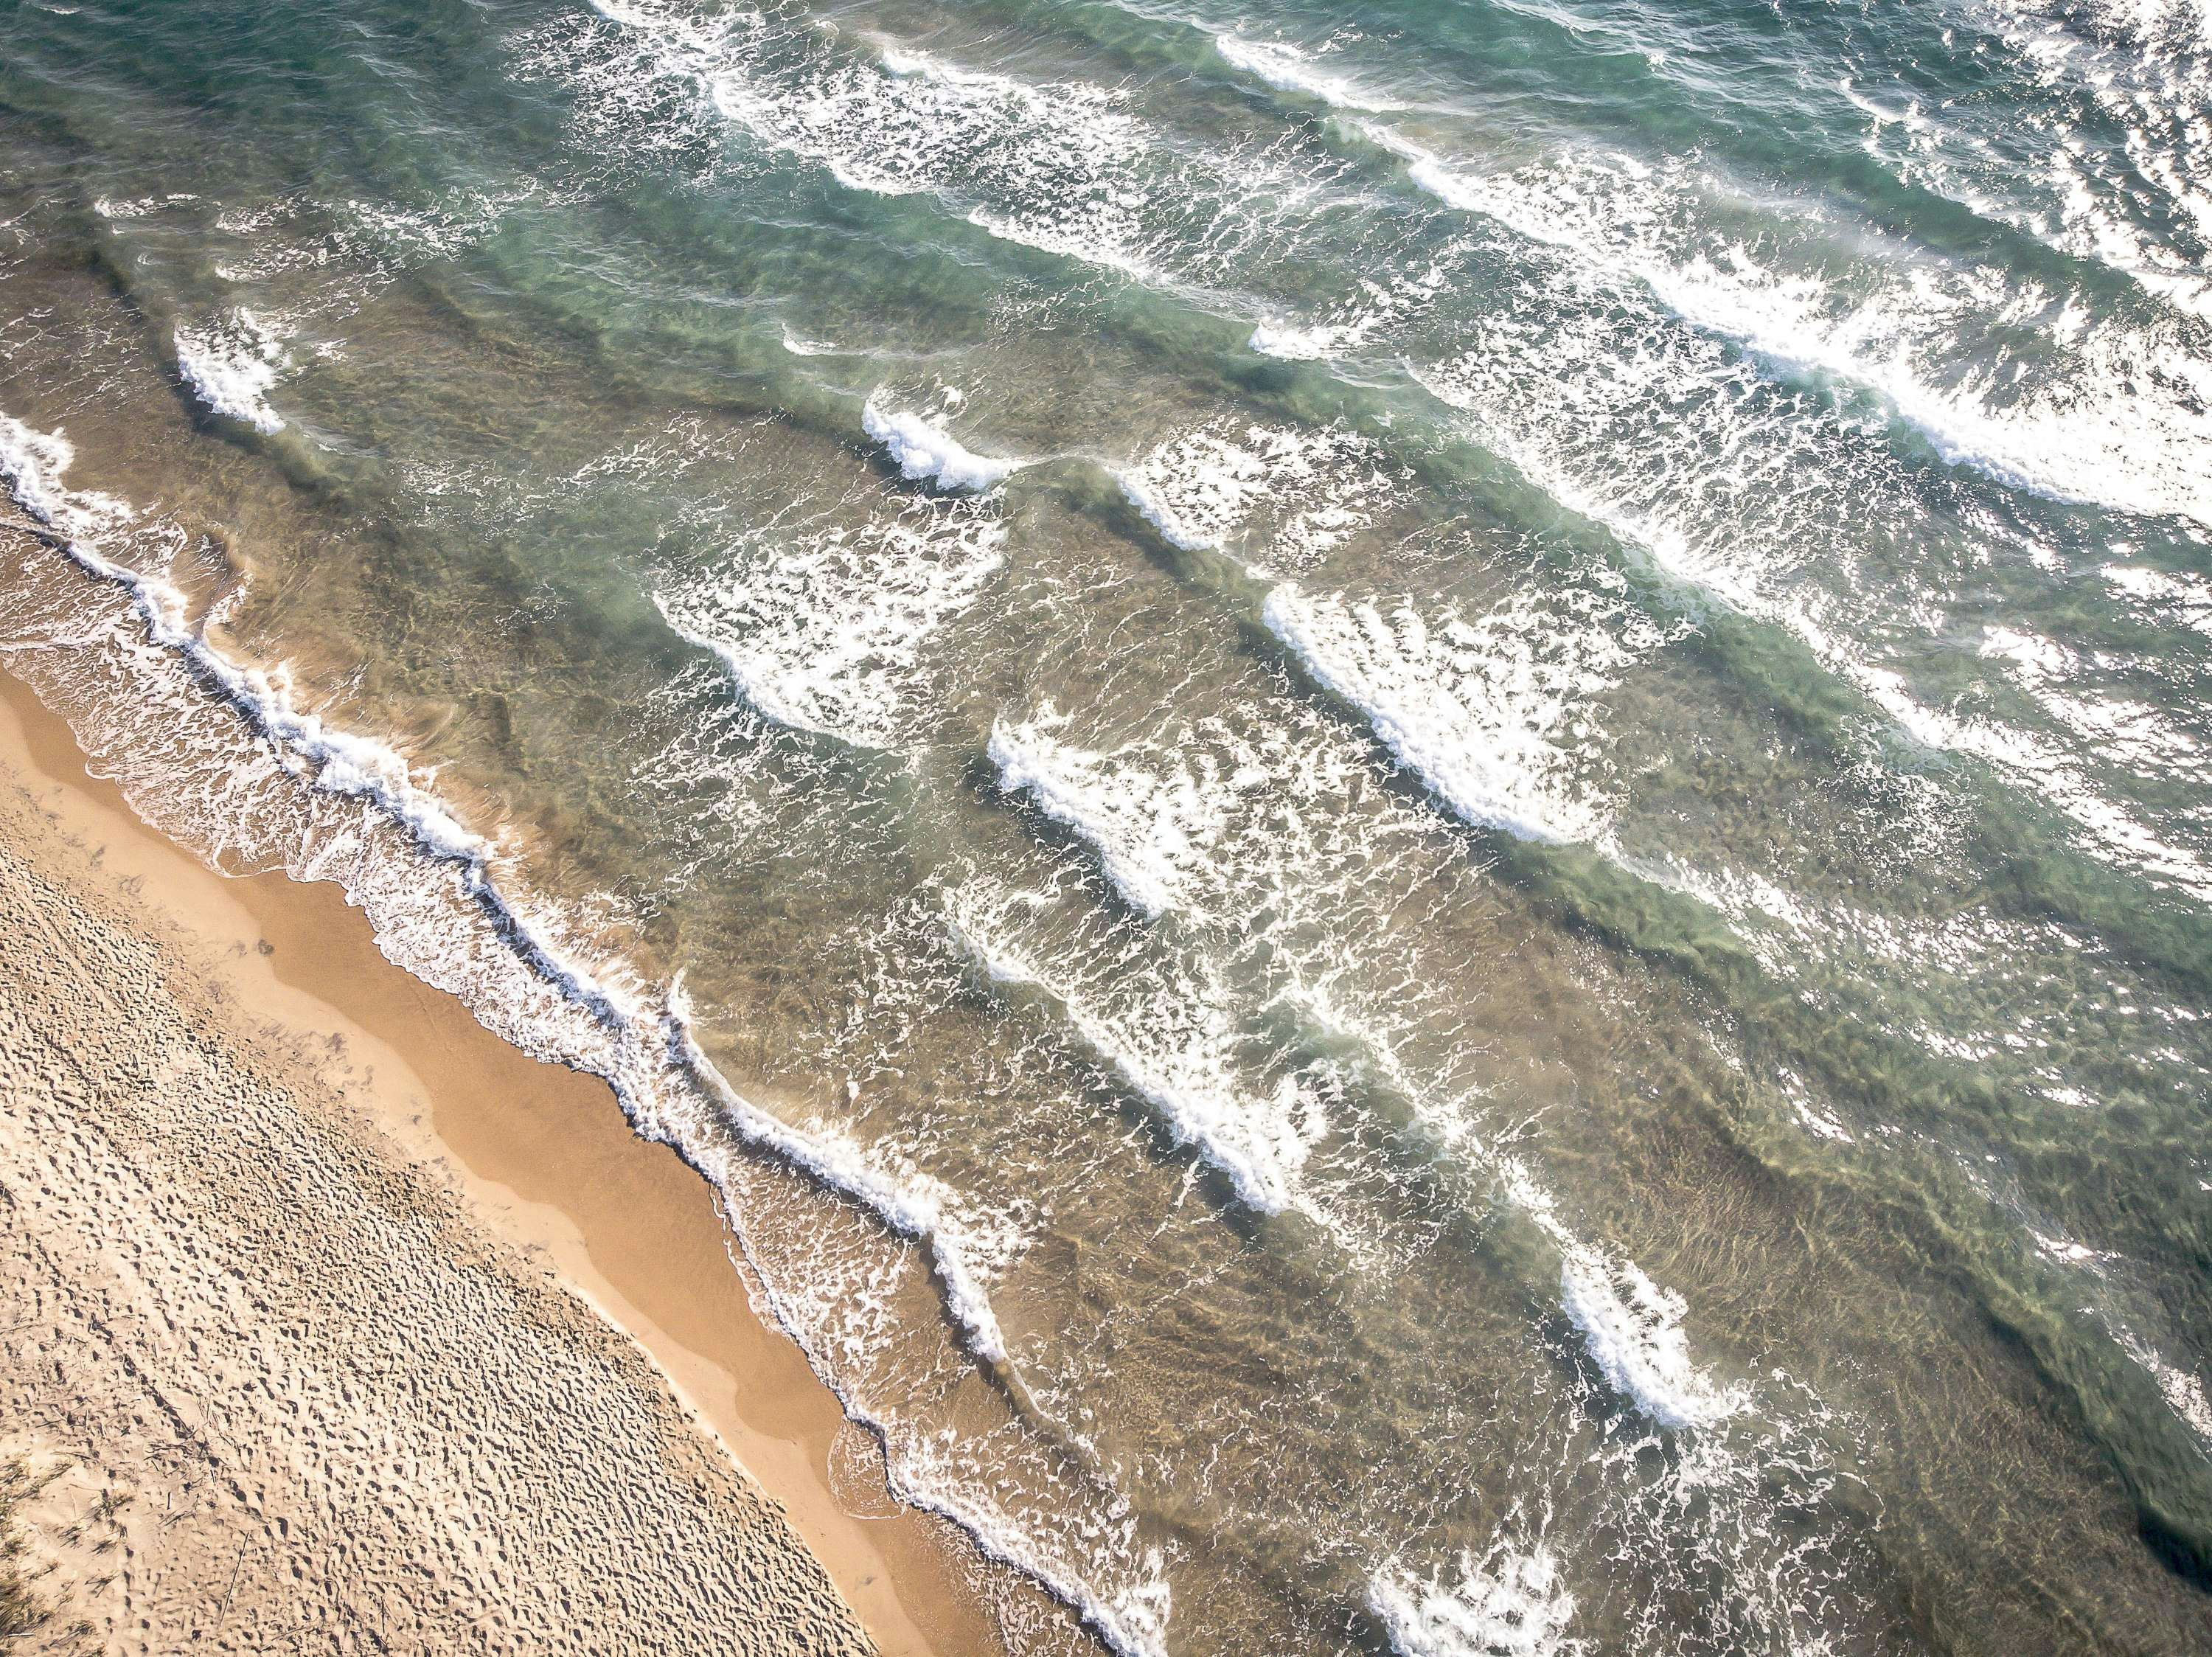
x=331, y=1322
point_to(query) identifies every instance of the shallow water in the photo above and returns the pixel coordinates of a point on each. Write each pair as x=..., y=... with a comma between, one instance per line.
x=1411, y=799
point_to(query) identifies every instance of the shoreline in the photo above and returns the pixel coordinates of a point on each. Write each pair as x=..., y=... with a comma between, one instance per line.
x=548, y=1162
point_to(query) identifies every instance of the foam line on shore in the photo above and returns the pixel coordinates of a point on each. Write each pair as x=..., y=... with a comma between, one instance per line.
x=351, y=766
x=517, y=980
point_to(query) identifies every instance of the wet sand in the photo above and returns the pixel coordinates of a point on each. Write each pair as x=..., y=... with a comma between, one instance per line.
x=535, y=1177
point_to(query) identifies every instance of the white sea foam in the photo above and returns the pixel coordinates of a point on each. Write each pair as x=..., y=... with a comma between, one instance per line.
x=1293, y=343
x=1632, y=1326
x=468, y=934
x=1066, y=167
x=2185, y=598
x=911, y=1201
x=1286, y=496
x=2138, y=203
x=1070, y=169
x=2126, y=427
x=341, y=763
x=824, y=623
x=925, y=453
x=231, y=366
x=2184, y=1392
x=1487, y=713
x=1365, y=315
x=1044, y=166
x=1634, y=1331
x=349, y=764
x=1150, y=833
x=140, y=207
x=2060, y=777
x=31, y=463
x=1290, y=69
x=1174, y=1052
x=1756, y=538
x=1199, y=489
x=1174, y=527
x=1508, y=1604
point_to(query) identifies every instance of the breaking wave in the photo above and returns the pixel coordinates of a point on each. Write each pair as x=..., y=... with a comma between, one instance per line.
x=231, y=366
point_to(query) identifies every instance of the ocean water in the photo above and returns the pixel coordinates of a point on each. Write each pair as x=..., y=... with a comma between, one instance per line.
x=1412, y=797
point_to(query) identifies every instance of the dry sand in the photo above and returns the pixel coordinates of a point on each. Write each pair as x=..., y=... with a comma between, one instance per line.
x=330, y=1322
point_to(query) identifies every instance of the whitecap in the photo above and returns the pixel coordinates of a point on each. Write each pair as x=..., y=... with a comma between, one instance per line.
x=1176, y=529
x=926, y=454
x=1289, y=68
x=1487, y=713
x=822, y=624
x=1632, y=1326
x=1633, y=1329
x=231, y=366
x=2126, y=430
x=1215, y=485
x=2184, y=1392
x=1173, y=1051
x=1150, y=833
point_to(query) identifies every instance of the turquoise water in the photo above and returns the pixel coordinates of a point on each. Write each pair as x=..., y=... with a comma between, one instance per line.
x=1412, y=798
